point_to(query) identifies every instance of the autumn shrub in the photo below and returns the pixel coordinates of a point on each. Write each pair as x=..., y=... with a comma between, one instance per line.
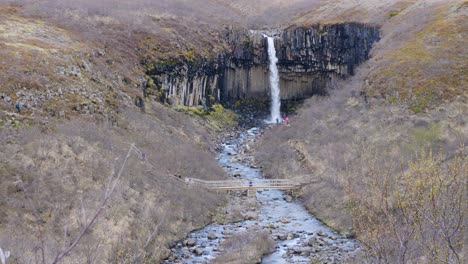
x=425, y=137
x=408, y=212
x=54, y=180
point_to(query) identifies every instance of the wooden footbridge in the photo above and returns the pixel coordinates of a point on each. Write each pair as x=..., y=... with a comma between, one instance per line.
x=249, y=185
x=242, y=185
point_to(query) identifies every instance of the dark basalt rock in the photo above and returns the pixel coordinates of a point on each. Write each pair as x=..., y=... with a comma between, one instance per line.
x=309, y=59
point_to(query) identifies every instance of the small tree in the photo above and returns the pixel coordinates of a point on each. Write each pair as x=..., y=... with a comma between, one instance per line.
x=402, y=213
x=434, y=195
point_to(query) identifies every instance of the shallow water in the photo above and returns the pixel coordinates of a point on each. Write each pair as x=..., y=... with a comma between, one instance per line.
x=291, y=225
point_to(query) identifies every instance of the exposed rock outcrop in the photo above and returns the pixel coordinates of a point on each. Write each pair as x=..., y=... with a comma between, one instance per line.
x=188, y=82
x=309, y=59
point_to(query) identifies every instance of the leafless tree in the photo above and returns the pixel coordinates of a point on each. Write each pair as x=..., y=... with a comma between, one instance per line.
x=94, y=217
x=402, y=214
x=86, y=222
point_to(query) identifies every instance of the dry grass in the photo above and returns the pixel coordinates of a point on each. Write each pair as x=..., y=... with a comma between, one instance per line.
x=421, y=49
x=410, y=95
x=421, y=58
x=52, y=176
x=40, y=59
x=326, y=137
x=429, y=67
x=366, y=11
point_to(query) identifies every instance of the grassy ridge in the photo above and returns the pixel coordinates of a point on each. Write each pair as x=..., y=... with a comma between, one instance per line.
x=429, y=67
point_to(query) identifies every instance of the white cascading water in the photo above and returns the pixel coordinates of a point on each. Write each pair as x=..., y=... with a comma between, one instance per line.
x=274, y=82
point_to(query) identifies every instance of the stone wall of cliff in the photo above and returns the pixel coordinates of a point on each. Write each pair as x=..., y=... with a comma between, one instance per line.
x=309, y=59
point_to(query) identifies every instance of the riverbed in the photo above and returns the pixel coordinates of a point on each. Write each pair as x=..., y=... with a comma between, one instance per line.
x=298, y=235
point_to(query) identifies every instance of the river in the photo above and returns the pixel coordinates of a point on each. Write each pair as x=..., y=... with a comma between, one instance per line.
x=298, y=235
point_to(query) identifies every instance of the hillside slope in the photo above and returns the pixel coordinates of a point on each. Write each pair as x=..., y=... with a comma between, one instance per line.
x=55, y=177
x=81, y=109
x=409, y=97
x=79, y=69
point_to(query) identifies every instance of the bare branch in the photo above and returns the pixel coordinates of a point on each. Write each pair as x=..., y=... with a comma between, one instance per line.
x=88, y=226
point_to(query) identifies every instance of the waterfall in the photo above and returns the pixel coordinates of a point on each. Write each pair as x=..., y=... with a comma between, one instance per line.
x=274, y=82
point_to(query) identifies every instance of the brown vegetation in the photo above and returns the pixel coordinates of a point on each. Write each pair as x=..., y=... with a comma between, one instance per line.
x=70, y=59
x=56, y=177
x=429, y=66
x=52, y=70
x=326, y=140
x=407, y=213
x=327, y=137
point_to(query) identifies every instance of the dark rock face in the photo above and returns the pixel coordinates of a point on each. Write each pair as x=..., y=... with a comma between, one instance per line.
x=309, y=59
x=188, y=83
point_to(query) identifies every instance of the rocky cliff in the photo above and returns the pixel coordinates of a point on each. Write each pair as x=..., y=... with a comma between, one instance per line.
x=309, y=59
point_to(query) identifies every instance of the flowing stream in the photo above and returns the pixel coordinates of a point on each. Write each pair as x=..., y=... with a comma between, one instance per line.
x=274, y=82
x=298, y=235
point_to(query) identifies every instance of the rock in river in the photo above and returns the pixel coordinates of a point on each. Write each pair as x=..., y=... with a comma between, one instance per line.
x=190, y=242
x=282, y=236
x=198, y=252
x=288, y=198
x=212, y=236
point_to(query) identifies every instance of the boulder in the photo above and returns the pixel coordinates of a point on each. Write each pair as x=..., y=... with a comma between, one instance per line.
x=198, y=252
x=302, y=250
x=190, y=242
x=186, y=255
x=250, y=215
x=212, y=236
x=282, y=236
x=312, y=241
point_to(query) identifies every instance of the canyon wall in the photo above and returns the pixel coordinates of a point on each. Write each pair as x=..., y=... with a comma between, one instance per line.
x=309, y=59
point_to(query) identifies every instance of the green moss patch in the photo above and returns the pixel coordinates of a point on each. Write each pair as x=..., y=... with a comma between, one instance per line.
x=217, y=116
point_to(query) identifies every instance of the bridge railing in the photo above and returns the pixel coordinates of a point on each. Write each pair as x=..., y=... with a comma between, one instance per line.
x=245, y=184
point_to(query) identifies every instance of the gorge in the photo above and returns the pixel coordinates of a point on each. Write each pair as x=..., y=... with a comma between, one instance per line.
x=109, y=109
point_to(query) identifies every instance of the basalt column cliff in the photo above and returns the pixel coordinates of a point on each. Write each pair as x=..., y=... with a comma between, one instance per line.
x=309, y=59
